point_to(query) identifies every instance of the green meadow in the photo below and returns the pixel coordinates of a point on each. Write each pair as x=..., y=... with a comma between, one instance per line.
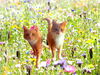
x=82, y=37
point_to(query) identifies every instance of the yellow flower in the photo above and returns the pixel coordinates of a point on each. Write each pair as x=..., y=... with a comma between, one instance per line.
x=6, y=68
x=68, y=38
x=40, y=12
x=60, y=70
x=90, y=41
x=32, y=59
x=4, y=73
x=25, y=20
x=50, y=14
x=90, y=66
x=80, y=31
x=15, y=26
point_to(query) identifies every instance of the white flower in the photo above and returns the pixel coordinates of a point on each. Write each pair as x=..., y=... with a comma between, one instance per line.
x=1, y=16
x=98, y=24
x=70, y=62
x=42, y=64
x=0, y=59
x=18, y=65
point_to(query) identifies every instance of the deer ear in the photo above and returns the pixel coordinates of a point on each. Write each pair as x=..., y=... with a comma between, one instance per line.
x=25, y=28
x=54, y=22
x=36, y=28
x=63, y=24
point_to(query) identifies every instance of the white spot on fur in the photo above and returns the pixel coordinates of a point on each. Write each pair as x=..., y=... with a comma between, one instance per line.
x=32, y=42
x=59, y=40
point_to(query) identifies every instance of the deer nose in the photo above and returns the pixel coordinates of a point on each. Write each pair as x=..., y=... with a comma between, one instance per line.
x=58, y=32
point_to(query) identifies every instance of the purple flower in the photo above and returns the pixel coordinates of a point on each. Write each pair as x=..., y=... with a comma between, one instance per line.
x=73, y=10
x=74, y=73
x=79, y=62
x=33, y=21
x=49, y=0
x=84, y=55
x=62, y=63
x=27, y=60
x=26, y=1
x=89, y=19
x=27, y=52
x=90, y=29
x=1, y=43
x=86, y=70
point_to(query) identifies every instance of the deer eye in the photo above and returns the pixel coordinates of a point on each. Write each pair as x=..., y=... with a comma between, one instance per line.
x=27, y=34
x=61, y=29
x=33, y=34
x=56, y=29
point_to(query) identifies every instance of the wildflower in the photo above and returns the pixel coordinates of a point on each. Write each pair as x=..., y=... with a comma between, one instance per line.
x=90, y=41
x=43, y=64
x=33, y=21
x=32, y=59
x=71, y=26
x=84, y=55
x=15, y=26
x=98, y=25
x=25, y=1
x=9, y=73
x=28, y=68
x=14, y=57
x=70, y=15
x=62, y=63
x=89, y=19
x=86, y=70
x=0, y=59
x=70, y=69
x=90, y=66
x=73, y=10
x=79, y=62
x=99, y=40
x=48, y=62
x=27, y=52
x=90, y=29
x=27, y=60
x=18, y=65
x=1, y=43
x=70, y=62
x=49, y=0
x=74, y=73
x=1, y=16
x=1, y=28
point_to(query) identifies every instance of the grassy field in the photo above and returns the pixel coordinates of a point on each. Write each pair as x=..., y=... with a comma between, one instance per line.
x=82, y=39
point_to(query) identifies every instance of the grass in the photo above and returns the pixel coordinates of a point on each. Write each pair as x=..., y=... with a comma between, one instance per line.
x=81, y=34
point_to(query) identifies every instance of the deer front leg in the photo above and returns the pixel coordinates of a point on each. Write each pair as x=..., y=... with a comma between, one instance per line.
x=38, y=59
x=59, y=53
x=53, y=53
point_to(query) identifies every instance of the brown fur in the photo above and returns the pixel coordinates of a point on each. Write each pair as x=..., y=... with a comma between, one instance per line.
x=33, y=36
x=55, y=36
